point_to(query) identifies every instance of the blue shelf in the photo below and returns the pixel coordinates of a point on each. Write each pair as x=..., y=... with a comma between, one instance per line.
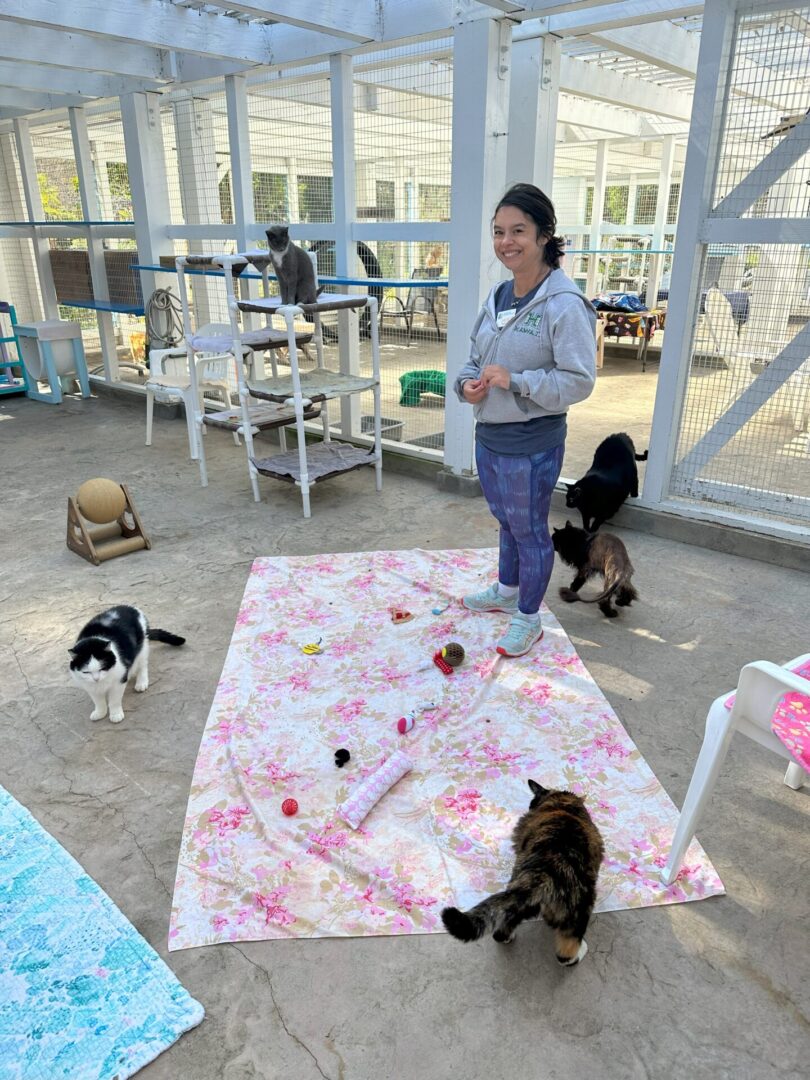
x=104, y=305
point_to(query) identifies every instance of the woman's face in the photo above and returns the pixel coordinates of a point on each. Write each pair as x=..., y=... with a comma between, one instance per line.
x=516, y=243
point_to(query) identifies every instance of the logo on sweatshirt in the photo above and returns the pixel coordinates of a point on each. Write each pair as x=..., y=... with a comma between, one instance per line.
x=530, y=324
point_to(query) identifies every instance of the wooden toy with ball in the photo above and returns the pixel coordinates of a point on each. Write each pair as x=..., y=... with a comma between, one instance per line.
x=118, y=529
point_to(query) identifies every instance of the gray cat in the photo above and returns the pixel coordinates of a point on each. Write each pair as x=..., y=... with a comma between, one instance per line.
x=293, y=267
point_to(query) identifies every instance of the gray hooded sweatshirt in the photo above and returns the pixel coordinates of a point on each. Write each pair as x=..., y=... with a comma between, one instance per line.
x=549, y=347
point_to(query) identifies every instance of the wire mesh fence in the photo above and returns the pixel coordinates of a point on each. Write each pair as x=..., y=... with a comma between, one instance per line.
x=743, y=440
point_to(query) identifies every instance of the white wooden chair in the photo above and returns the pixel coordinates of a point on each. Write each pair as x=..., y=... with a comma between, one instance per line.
x=760, y=689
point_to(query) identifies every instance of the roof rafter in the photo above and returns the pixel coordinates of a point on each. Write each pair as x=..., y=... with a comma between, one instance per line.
x=354, y=19
x=31, y=102
x=40, y=45
x=150, y=22
x=50, y=80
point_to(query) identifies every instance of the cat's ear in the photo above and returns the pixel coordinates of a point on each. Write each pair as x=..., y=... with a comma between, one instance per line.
x=537, y=789
x=568, y=524
x=72, y=652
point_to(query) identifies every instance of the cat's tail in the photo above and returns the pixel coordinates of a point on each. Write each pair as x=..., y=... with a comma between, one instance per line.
x=164, y=635
x=571, y=597
x=642, y=457
x=465, y=925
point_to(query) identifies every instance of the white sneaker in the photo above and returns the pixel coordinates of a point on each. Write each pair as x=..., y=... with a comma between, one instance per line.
x=491, y=600
x=523, y=632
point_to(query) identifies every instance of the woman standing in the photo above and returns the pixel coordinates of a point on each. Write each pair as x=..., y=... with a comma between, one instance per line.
x=533, y=355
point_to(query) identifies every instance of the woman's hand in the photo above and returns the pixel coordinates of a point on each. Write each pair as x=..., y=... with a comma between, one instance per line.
x=474, y=390
x=496, y=375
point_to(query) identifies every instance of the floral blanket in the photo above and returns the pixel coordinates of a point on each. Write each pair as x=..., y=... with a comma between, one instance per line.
x=441, y=834
x=82, y=995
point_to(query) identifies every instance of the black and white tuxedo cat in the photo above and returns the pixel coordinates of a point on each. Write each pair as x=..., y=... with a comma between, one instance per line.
x=110, y=649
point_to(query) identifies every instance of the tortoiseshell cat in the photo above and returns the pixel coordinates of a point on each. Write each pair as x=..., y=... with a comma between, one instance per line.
x=591, y=554
x=558, y=852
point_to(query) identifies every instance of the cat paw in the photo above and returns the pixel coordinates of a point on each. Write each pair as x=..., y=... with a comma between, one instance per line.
x=499, y=937
x=141, y=685
x=611, y=614
x=98, y=714
x=117, y=716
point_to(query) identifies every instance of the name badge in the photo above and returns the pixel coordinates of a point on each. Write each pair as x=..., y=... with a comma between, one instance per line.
x=503, y=317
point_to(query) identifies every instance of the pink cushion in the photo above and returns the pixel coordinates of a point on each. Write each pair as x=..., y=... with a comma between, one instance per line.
x=790, y=722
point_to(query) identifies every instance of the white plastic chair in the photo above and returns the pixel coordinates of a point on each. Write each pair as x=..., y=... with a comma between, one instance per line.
x=170, y=379
x=759, y=691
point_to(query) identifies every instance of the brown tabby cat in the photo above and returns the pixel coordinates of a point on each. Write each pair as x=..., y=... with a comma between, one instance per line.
x=596, y=553
x=558, y=852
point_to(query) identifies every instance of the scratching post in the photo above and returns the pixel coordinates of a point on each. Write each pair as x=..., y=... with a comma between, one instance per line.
x=118, y=529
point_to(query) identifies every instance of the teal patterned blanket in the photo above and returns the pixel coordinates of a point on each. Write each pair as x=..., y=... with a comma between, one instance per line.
x=82, y=995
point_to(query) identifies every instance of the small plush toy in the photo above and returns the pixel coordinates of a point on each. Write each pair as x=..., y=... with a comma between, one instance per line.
x=368, y=794
x=405, y=723
x=399, y=615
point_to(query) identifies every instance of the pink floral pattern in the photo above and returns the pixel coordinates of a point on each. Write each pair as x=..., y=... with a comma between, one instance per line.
x=790, y=722
x=441, y=834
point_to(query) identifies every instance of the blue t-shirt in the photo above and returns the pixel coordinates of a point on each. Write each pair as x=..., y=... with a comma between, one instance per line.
x=526, y=437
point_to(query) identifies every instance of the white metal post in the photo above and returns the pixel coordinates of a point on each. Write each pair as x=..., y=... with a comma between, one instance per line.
x=33, y=205
x=241, y=166
x=597, y=209
x=95, y=246
x=18, y=252
x=533, y=97
x=293, y=207
x=481, y=69
x=345, y=196
x=146, y=169
x=702, y=152
x=661, y=207
x=199, y=193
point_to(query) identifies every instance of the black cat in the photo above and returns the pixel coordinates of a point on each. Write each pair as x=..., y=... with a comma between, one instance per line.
x=605, y=486
x=591, y=554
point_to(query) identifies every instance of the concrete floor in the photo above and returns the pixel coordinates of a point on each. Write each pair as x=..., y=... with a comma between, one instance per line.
x=715, y=989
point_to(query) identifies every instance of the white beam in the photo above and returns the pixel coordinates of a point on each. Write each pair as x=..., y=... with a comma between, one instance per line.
x=480, y=121
x=241, y=169
x=148, y=22
x=41, y=45
x=146, y=170
x=668, y=47
x=30, y=102
x=594, y=18
x=344, y=193
x=533, y=101
x=594, y=242
x=589, y=80
x=95, y=245
x=33, y=206
x=357, y=20
x=44, y=79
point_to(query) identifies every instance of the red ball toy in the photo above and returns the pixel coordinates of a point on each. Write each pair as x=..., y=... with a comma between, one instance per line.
x=289, y=807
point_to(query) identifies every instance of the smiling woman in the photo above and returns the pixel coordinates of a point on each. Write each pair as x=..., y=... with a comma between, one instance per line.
x=533, y=355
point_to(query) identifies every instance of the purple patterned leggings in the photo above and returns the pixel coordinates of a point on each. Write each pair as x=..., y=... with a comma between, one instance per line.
x=518, y=491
